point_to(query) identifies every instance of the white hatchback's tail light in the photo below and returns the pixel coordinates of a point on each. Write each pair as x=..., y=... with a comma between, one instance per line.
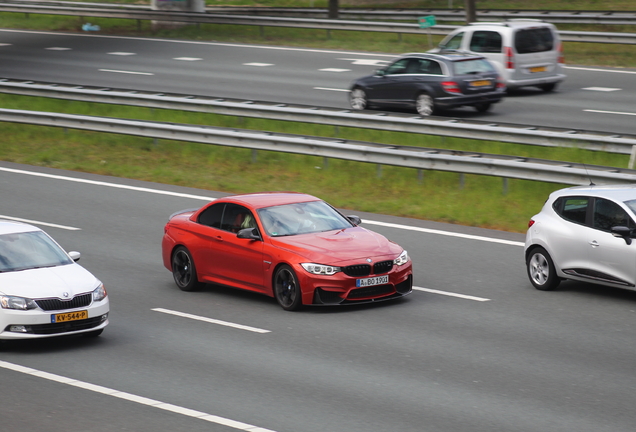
x=530, y=223
x=510, y=58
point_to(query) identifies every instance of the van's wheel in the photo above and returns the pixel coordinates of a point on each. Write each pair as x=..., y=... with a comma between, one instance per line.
x=483, y=107
x=425, y=104
x=548, y=87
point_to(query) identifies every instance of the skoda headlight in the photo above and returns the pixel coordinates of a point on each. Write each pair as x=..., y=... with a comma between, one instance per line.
x=99, y=293
x=402, y=259
x=320, y=269
x=19, y=303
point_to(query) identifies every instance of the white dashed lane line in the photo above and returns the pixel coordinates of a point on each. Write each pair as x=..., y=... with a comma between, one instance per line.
x=58, y=49
x=211, y=320
x=601, y=89
x=610, y=112
x=125, y=72
x=331, y=89
x=119, y=53
x=451, y=294
x=133, y=398
x=187, y=58
x=334, y=70
x=258, y=64
x=366, y=62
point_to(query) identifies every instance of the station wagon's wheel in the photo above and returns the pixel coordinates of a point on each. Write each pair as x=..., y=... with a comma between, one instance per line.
x=287, y=289
x=184, y=271
x=358, y=99
x=425, y=104
x=483, y=107
x=541, y=270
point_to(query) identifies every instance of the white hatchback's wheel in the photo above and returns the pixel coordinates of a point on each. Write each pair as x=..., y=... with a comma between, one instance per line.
x=541, y=270
x=358, y=99
x=425, y=105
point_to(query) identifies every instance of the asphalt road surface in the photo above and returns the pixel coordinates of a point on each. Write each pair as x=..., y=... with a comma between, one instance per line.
x=473, y=349
x=592, y=98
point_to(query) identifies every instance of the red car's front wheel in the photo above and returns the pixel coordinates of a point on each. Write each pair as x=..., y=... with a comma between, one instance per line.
x=287, y=289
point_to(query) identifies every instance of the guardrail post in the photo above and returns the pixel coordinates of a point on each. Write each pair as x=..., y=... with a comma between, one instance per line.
x=378, y=172
x=462, y=180
x=328, y=34
x=505, y=185
x=420, y=175
x=325, y=162
x=254, y=155
x=632, y=158
x=262, y=31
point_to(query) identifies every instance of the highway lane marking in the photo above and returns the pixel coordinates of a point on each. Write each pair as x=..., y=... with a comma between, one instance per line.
x=366, y=62
x=446, y=233
x=125, y=72
x=133, y=398
x=187, y=58
x=332, y=89
x=120, y=53
x=334, y=70
x=5, y=44
x=258, y=64
x=35, y=222
x=599, y=70
x=452, y=294
x=211, y=320
x=58, y=49
x=610, y=112
x=113, y=185
x=602, y=89
x=208, y=199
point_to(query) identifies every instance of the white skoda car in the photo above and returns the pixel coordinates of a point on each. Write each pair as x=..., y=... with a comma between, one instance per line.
x=585, y=234
x=43, y=291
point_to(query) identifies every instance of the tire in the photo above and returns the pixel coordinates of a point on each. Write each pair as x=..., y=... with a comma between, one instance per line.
x=425, y=104
x=358, y=99
x=483, y=107
x=287, y=289
x=541, y=270
x=548, y=87
x=184, y=270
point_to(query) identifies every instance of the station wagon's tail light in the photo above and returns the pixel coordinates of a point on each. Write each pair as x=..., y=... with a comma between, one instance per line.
x=510, y=58
x=451, y=87
x=530, y=223
x=500, y=83
x=561, y=58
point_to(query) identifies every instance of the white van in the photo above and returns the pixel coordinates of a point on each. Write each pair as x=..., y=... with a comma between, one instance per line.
x=526, y=52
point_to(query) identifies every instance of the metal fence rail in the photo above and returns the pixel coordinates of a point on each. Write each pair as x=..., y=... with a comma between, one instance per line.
x=411, y=157
x=401, y=14
x=394, y=122
x=262, y=21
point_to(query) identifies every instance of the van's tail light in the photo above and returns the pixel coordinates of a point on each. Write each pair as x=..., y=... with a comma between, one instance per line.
x=561, y=58
x=530, y=223
x=451, y=87
x=510, y=58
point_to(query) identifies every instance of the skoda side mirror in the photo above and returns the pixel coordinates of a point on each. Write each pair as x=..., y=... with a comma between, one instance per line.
x=623, y=231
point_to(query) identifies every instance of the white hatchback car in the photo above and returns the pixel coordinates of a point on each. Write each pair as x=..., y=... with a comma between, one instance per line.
x=585, y=234
x=525, y=52
x=43, y=291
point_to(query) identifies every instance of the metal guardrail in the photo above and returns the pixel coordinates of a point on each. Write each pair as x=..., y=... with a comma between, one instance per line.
x=394, y=122
x=401, y=14
x=323, y=24
x=411, y=157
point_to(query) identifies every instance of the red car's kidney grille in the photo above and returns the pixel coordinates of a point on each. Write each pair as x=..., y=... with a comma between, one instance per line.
x=357, y=270
x=382, y=267
x=82, y=300
x=372, y=291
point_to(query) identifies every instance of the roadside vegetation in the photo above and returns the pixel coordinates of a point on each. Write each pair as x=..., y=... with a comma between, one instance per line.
x=448, y=197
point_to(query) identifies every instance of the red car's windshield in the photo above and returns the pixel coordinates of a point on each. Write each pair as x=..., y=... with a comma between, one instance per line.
x=301, y=218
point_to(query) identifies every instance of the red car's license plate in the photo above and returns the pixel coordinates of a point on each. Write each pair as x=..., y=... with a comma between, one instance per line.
x=378, y=280
x=69, y=316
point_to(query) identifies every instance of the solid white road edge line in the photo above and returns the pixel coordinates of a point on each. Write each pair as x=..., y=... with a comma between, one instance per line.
x=332, y=89
x=212, y=321
x=125, y=72
x=40, y=223
x=451, y=294
x=598, y=70
x=134, y=398
x=204, y=198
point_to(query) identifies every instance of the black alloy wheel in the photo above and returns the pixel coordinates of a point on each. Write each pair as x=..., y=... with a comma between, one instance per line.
x=184, y=271
x=287, y=289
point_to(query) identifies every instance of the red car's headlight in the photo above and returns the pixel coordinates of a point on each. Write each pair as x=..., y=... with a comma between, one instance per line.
x=320, y=269
x=402, y=259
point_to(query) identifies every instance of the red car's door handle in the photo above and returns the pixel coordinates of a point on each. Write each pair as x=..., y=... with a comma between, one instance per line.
x=219, y=238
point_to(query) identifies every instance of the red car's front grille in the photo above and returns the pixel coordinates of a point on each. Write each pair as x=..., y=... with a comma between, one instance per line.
x=357, y=270
x=372, y=291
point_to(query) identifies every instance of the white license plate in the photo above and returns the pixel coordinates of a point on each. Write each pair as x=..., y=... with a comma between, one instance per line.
x=378, y=280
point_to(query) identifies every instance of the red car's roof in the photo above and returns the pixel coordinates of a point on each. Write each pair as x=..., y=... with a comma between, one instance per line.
x=268, y=199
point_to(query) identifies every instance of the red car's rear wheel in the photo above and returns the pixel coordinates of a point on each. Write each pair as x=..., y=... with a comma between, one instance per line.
x=184, y=271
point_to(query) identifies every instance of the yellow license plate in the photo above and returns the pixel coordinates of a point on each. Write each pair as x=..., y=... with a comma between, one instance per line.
x=69, y=316
x=481, y=83
x=537, y=69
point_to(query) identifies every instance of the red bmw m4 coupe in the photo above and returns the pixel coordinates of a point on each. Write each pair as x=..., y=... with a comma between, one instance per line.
x=290, y=246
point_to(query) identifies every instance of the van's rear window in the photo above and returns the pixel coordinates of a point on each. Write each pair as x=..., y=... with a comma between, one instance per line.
x=534, y=40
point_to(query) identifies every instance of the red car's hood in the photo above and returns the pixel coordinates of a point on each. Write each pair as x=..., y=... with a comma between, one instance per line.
x=333, y=247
